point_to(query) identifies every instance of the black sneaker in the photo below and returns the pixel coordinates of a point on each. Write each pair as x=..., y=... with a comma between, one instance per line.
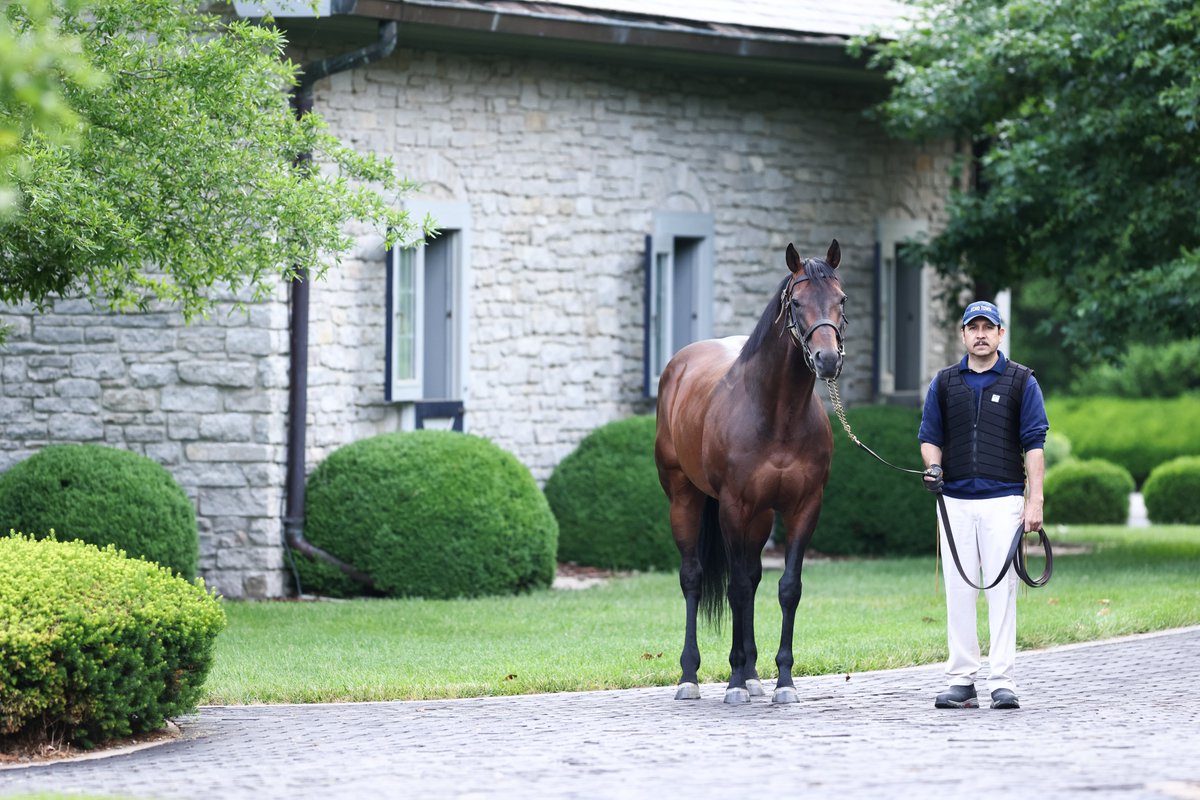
x=961, y=696
x=1004, y=698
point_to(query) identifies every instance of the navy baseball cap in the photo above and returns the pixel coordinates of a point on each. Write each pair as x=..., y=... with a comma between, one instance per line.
x=982, y=308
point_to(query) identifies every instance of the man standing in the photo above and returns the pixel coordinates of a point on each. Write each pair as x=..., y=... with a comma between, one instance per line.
x=982, y=435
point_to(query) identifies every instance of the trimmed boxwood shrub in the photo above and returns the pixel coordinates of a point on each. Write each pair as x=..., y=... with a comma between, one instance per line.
x=1137, y=434
x=869, y=508
x=94, y=645
x=1094, y=491
x=1172, y=492
x=1057, y=449
x=433, y=514
x=611, y=510
x=102, y=495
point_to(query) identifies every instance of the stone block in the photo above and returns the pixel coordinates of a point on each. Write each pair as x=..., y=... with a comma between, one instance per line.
x=204, y=451
x=183, y=426
x=197, y=399
x=66, y=405
x=231, y=502
x=57, y=334
x=128, y=400
x=98, y=366
x=166, y=453
x=226, y=427
x=77, y=387
x=212, y=475
x=218, y=373
x=14, y=408
x=249, y=342
x=146, y=340
x=144, y=433
x=25, y=430
x=75, y=428
x=146, y=376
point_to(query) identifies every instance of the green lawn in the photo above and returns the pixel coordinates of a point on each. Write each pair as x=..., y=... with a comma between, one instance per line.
x=855, y=616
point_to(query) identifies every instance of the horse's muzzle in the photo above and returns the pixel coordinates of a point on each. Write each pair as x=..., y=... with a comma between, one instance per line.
x=827, y=363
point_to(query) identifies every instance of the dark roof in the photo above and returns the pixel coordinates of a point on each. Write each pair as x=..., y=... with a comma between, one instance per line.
x=780, y=37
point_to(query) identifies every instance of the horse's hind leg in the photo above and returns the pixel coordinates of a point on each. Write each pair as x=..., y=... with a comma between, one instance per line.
x=687, y=505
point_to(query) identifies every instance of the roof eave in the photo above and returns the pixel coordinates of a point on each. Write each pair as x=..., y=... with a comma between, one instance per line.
x=499, y=27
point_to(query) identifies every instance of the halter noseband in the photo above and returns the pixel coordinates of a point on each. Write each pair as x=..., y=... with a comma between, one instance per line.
x=793, y=327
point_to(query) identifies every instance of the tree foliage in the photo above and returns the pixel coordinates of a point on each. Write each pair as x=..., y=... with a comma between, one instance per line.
x=180, y=174
x=34, y=57
x=1085, y=113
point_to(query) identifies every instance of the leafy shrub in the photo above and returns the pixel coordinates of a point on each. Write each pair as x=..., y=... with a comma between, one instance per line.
x=430, y=514
x=611, y=510
x=95, y=646
x=102, y=495
x=1137, y=434
x=869, y=508
x=1057, y=449
x=1094, y=491
x=1165, y=370
x=1172, y=492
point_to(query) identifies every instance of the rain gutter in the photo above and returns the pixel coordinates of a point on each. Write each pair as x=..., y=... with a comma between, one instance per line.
x=293, y=519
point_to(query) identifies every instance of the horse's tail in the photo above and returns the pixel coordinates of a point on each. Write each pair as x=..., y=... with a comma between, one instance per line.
x=714, y=563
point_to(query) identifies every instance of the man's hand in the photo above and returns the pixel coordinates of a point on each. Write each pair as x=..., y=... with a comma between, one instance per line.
x=933, y=478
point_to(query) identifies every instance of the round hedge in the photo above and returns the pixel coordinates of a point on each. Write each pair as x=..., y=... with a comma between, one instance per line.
x=1093, y=491
x=1172, y=492
x=432, y=514
x=1057, y=449
x=611, y=510
x=869, y=508
x=94, y=645
x=102, y=495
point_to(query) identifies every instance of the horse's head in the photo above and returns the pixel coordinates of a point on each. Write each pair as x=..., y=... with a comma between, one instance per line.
x=814, y=304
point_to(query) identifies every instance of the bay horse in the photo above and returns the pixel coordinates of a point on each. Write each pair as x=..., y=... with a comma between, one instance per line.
x=740, y=436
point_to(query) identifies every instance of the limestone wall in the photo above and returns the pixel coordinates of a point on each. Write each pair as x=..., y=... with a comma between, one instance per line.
x=563, y=166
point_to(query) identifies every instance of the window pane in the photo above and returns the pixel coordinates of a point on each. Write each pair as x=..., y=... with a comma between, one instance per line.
x=439, y=315
x=404, y=324
x=658, y=320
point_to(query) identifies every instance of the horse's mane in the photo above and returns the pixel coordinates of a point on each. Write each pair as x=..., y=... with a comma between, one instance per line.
x=814, y=268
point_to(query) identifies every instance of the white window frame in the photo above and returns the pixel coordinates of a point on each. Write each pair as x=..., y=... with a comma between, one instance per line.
x=892, y=232
x=454, y=218
x=660, y=343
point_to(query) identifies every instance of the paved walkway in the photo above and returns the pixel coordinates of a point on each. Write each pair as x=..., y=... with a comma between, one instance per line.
x=1118, y=719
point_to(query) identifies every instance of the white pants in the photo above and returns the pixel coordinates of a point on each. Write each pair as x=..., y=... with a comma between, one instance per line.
x=983, y=532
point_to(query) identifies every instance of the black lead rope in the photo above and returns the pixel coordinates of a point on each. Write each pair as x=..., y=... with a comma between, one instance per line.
x=1016, y=554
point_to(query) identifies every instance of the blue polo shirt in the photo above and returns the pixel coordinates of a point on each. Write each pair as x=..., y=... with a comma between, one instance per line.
x=1033, y=428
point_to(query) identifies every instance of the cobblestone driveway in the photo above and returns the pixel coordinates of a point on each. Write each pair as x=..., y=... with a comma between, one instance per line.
x=1118, y=719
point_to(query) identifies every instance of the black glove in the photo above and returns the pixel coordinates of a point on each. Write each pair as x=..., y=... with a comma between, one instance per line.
x=933, y=478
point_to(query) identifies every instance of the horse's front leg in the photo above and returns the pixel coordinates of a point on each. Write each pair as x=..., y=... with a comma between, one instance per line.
x=758, y=533
x=800, y=530
x=746, y=539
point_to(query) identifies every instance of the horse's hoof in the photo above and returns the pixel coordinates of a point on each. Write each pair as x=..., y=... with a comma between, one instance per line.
x=785, y=694
x=737, y=696
x=687, y=691
x=754, y=686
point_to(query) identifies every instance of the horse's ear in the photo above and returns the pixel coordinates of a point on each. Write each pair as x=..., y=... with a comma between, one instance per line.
x=793, y=259
x=834, y=257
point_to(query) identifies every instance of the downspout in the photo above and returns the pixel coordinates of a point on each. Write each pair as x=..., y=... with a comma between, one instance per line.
x=293, y=518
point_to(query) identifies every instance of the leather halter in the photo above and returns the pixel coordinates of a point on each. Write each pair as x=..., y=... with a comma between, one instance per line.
x=793, y=327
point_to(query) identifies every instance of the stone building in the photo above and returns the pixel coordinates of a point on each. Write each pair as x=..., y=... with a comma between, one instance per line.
x=612, y=179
